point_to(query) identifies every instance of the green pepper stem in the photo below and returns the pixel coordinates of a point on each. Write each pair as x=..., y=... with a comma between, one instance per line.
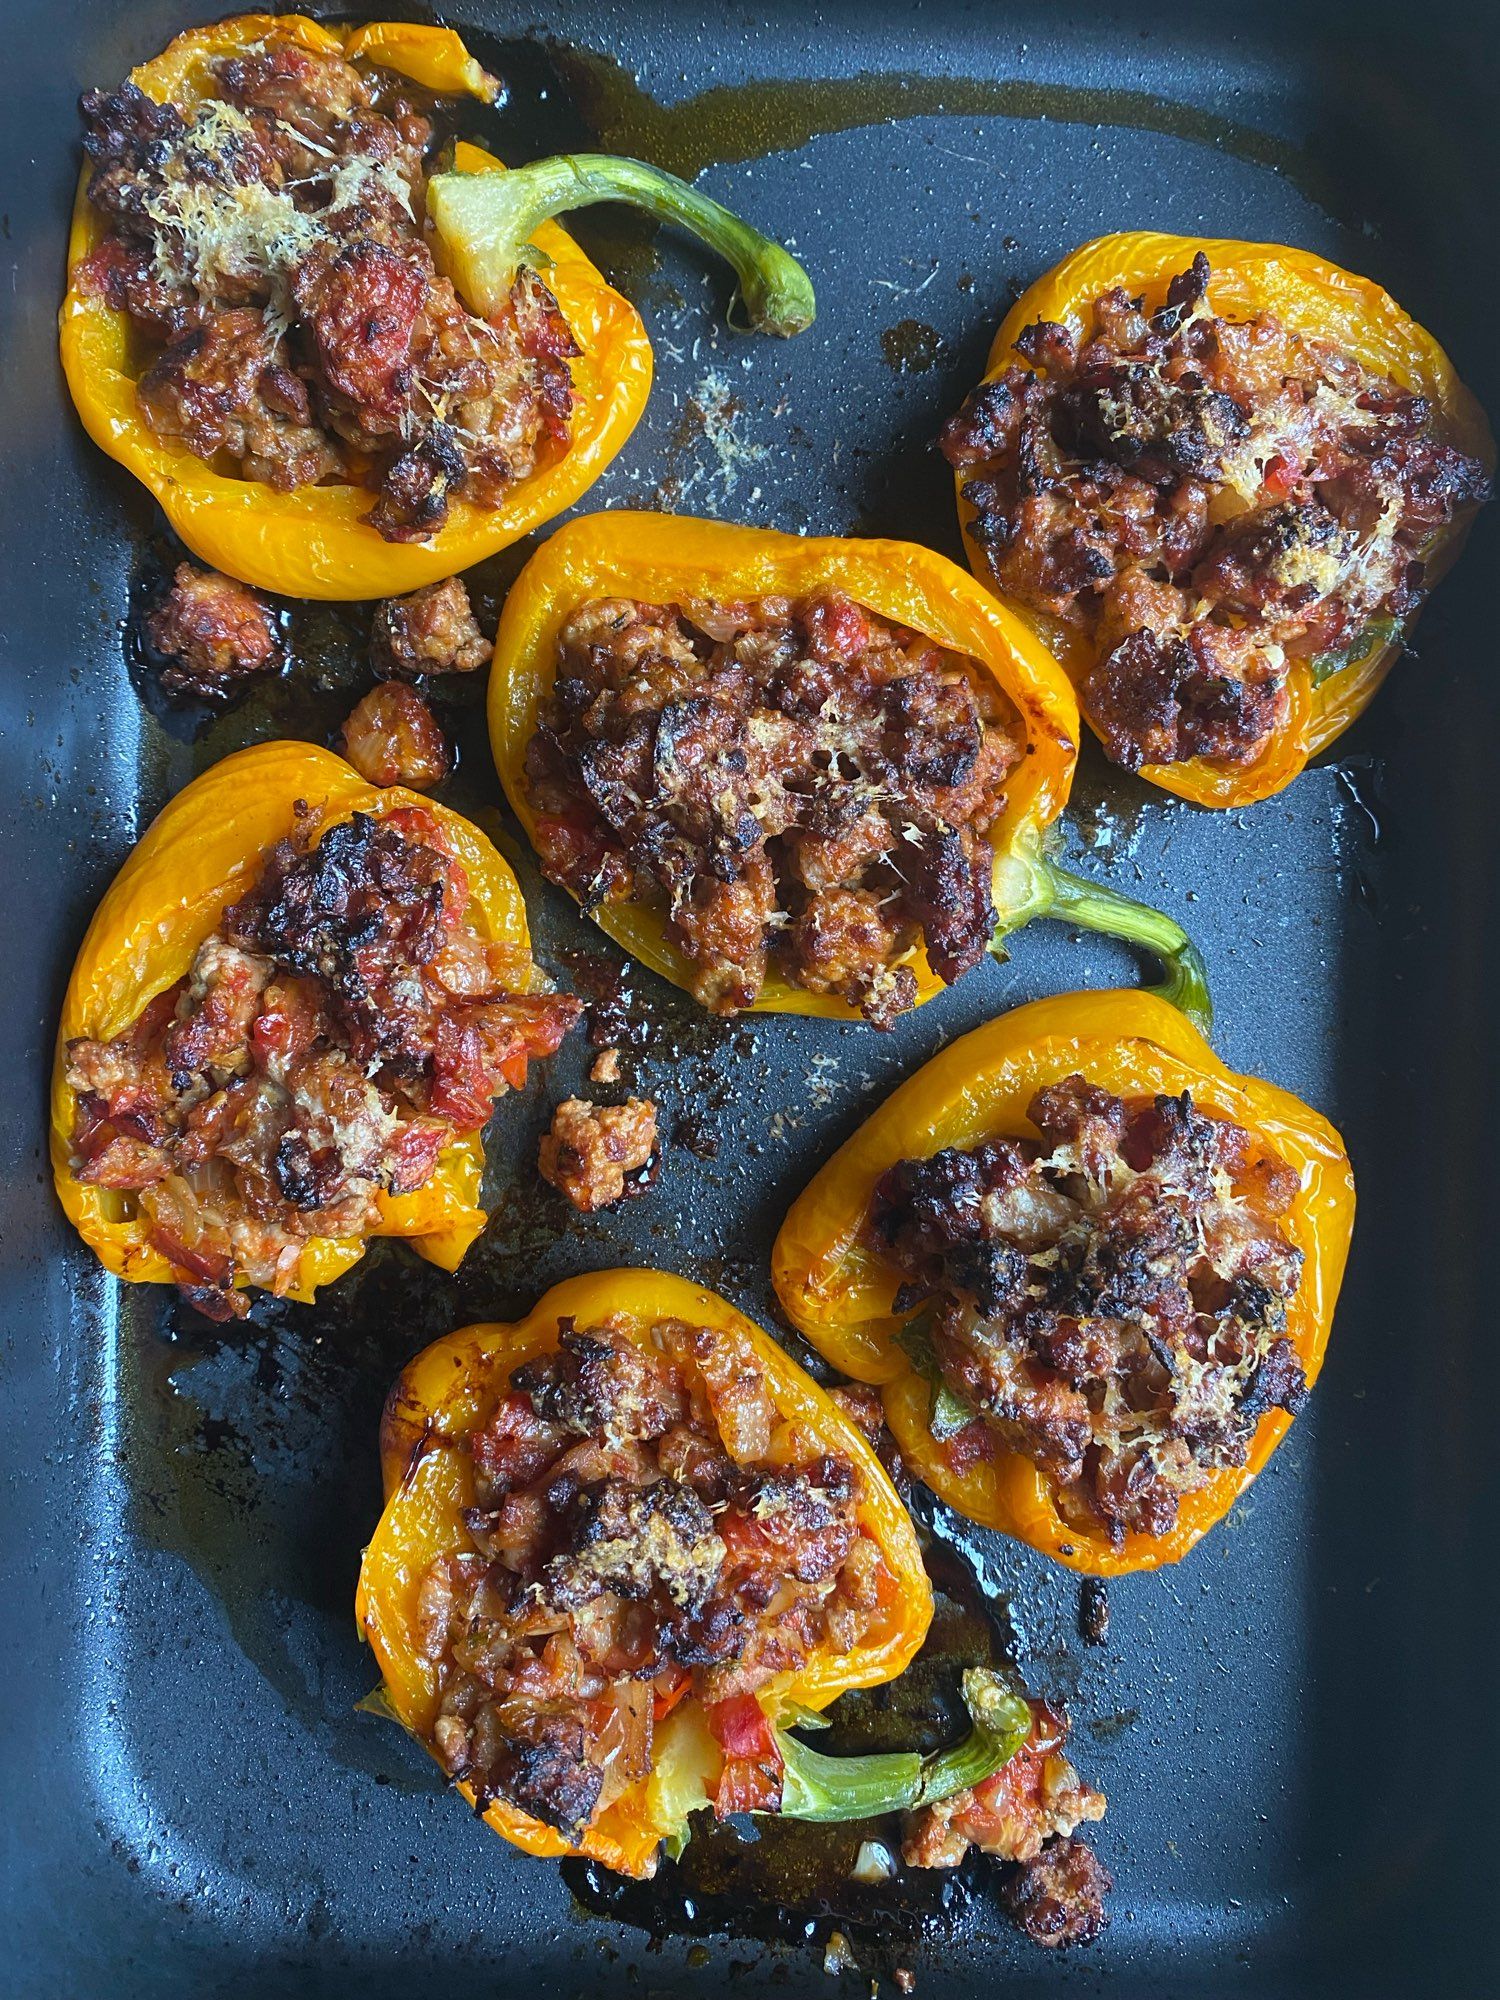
x=1033, y=885
x=499, y=213
x=819, y=1787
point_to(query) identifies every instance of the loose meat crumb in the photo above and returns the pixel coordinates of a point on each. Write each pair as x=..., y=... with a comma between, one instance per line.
x=1109, y=1299
x=267, y=242
x=1058, y=1898
x=625, y=1550
x=214, y=633
x=596, y=1155
x=433, y=631
x=1212, y=502
x=799, y=786
x=1093, y=1611
x=605, y=1067
x=340, y=1027
x=393, y=738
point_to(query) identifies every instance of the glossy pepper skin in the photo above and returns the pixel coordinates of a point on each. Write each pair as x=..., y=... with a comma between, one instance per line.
x=838, y=1293
x=657, y=558
x=448, y=1391
x=315, y=542
x=1316, y=298
x=202, y=852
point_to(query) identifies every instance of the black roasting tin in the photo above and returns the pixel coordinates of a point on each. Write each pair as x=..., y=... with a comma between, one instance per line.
x=1297, y=1727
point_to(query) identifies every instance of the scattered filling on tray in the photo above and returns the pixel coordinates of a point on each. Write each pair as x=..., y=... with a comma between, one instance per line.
x=638, y=1535
x=1108, y=1300
x=267, y=244
x=597, y=1154
x=797, y=785
x=433, y=631
x=392, y=737
x=343, y=1023
x=1026, y=1813
x=1210, y=502
x=214, y=634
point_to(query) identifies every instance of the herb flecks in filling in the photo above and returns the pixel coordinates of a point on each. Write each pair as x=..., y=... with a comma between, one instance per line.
x=343, y=1023
x=267, y=243
x=641, y=1531
x=1210, y=502
x=798, y=784
x=1108, y=1299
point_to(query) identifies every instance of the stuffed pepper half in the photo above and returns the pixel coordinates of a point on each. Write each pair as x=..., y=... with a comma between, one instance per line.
x=1218, y=479
x=793, y=774
x=342, y=372
x=627, y=1544
x=286, y=1026
x=1093, y=1269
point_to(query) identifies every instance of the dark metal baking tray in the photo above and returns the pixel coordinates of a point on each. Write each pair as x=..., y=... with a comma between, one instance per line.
x=1297, y=1728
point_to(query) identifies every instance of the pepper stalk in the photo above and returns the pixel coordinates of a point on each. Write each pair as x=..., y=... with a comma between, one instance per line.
x=1032, y=885
x=486, y=221
x=819, y=1787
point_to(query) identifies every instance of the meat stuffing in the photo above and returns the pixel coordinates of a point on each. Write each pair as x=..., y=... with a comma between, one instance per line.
x=433, y=631
x=797, y=785
x=1058, y=1899
x=596, y=1155
x=214, y=634
x=266, y=241
x=1210, y=502
x=1026, y=1813
x=392, y=738
x=1109, y=1299
x=344, y=1022
x=634, y=1538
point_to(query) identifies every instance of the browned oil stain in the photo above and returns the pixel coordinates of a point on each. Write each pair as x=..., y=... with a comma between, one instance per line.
x=911, y=347
x=565, y=97
x=731, y=123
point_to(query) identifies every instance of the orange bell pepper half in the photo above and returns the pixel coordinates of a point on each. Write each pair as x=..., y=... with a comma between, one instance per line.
x=484, y=222
x=315, y=542
x=1312, y=297
x=659, y=558
x=448, y=1391
x=839, y=1292
x=198, y=856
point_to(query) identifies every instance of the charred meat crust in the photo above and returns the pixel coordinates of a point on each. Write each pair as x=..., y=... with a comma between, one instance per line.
x=1110, y=1298
x=268, y=243
x=339, y=1028
x=795, y=784
x=1211, y=501
x=1058, y=1898
x=630, y=1542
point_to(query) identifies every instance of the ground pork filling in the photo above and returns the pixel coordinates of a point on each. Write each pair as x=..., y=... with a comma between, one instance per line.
x=638, y=1534
x=797, y=783
x=267, y=243
x=1210, y=502
x=1108, y=1299
x=1026, y=1814
x=342, y=1025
